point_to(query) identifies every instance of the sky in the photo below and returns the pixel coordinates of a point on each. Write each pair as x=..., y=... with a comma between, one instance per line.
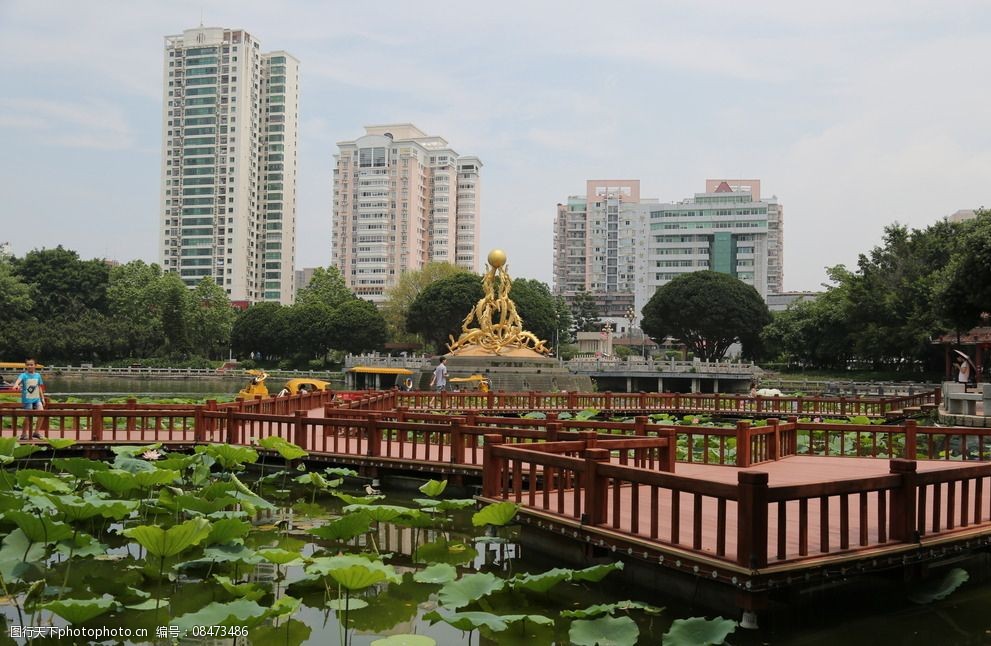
x=855, y=114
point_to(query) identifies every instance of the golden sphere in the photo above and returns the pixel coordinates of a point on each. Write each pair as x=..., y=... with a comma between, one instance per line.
x=497, y=258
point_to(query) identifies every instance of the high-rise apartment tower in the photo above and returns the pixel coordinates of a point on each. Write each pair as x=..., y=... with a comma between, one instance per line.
x=230, y=119
x=620, y=247
x=402, y=199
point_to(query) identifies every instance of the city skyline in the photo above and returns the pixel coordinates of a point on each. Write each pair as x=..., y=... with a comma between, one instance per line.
x=857, y=115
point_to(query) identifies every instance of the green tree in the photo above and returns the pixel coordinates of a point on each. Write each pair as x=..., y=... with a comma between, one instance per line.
x=262, y=328
x=438, y=311
x=400, y=297
x=536, y=306
x=357, y=326
x=174, y=308
x=211, y=318
x=134, y=298
x=327, y=286
x=63, y=284
x=15, y=309
x=963, y=288
x=563, y=322
x=708, y=311
x=308, y=329
x=585, y=313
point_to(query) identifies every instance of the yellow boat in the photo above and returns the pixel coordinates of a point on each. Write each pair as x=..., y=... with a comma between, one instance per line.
x=257, y=388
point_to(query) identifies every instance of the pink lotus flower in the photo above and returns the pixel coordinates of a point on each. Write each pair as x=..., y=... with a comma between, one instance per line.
x=817, y=420
x=695, y=420
x=151, y=455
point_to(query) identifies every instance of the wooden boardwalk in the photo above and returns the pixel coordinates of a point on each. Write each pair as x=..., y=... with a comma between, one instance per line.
x=751, y=507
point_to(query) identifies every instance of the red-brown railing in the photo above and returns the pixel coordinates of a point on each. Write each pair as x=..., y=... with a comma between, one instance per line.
x=688, y=403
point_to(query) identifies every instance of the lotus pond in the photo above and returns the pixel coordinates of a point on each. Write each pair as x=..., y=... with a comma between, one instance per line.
x=156, y=546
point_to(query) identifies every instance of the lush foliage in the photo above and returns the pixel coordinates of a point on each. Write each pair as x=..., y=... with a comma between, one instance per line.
x=156, y=538
x=707, y=311
x=441, y=307
x=916, y=286
x=401, y=296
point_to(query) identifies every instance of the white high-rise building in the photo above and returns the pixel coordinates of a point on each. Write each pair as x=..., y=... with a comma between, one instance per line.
x=230, y=119
x=402, y=199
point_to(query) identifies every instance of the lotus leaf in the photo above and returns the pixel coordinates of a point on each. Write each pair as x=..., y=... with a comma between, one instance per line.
x=172, y=541
x=445, y=505
x=379, y=513
x=287, y=450
x=698, y=631
x=83, y=545
x=433, y=488
x=231, y=553
x=17, y=549
x=230, y=456
x=356, y=500
x=78, y=611
x=604, y=631
x=467, y=620
x=228, y=530
x=132, y=465
x=135, y=450
x=347, y=603
x=405, y=640
x=24, y=450
x=936, y=590
x=49, y=484
x=74, y=508
x=536, y=414
x=147, y=604
x=353, y=572
x=468, y=589
x=249, y=591
x=436, y=573
x=59, y=443
x=611, y=608
x=540, y=620
x=241, y=612
x=39, y=529
x=586, y=414
x=280, y=556
x=498, y=514
x=596, y=572
x=541, y=582
x=344, y=528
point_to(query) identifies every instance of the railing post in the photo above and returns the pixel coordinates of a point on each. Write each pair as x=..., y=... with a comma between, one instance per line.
x=751, y=526
x=903, y=501
x=589, y=437
x=96, y=425
x=553, y=428
x=132, y=405
x=640, y=425
x=457, y=441
x=774, y=449
x=911, y=439
x=743, y=444
x=299, y=429
x=374, y=434
x=938, y=396
x=230, y=425
x=492, y=467
x=199, y=427
x=596, y=488
x=608, y=401
x=671, y=455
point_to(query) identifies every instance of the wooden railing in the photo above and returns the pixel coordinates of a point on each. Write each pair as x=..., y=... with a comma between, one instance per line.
x=748, y=523
x=692, y=403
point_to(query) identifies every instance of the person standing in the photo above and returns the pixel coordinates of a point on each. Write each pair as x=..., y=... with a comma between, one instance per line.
x=963, y=373
x=439, y=380
x=32, y=392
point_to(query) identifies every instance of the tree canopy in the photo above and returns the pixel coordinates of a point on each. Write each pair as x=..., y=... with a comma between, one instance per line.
x=438, y=311
x=584, y=313
x=708, y=311
x=327, y=286
x=400, y=297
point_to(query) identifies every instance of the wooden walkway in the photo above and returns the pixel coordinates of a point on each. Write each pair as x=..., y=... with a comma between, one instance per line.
x=751, y=507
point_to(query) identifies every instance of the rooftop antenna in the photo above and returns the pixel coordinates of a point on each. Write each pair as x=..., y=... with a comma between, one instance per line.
x=201, y=16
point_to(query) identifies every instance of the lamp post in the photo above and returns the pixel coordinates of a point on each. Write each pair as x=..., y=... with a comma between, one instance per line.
x=631, y=316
